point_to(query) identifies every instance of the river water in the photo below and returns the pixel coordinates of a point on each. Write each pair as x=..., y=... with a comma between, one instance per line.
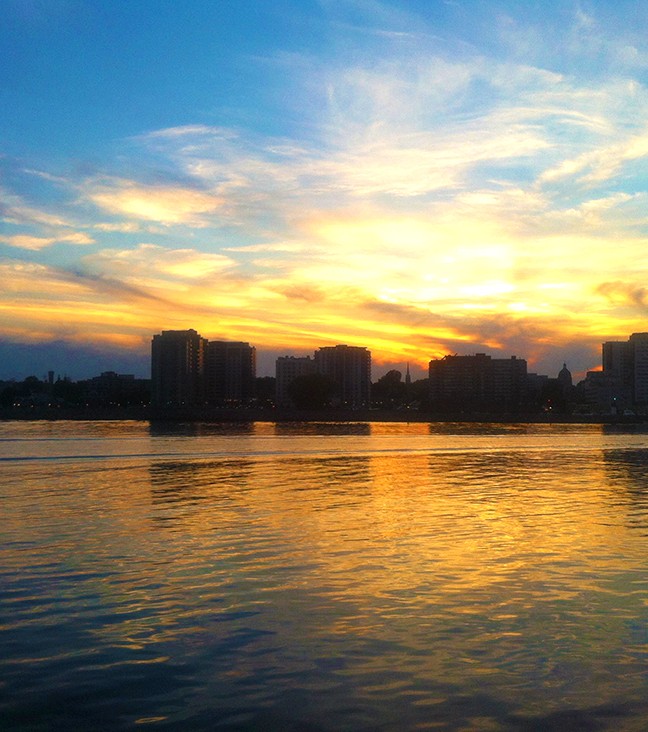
x=323, y=577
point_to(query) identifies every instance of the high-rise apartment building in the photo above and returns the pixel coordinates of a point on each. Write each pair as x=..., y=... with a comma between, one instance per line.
x=350, y=369
x=230, y=372
x=618, y=371
x=287, y=369
x=625, y=366
x=639, y=345
x=478, y=381
x=177, y=368
x=510, y=385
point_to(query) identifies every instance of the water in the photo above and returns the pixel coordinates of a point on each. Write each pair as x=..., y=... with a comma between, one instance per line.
x=323, y=577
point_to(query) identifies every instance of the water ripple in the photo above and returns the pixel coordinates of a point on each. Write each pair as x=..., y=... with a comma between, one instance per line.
x=387, y=577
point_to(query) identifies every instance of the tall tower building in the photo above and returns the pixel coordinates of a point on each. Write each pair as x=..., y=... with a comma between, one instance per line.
x=625, y=366
x=350, y=368
x=177, y=368
x=639, y=348
x=230, y=370
x=617, y=360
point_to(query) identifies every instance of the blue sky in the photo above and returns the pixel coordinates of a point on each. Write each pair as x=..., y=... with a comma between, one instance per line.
x=419, y=178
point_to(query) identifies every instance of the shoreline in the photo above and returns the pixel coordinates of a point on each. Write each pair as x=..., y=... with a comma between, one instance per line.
x=247, y=415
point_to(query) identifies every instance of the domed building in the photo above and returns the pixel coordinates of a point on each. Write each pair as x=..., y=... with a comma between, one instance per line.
x=565, y=378
x=566, y=384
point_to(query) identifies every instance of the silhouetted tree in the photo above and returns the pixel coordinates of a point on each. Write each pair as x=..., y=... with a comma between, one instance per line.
x=389, y=390
x=419, y=393
x=8, y=396
x=265, y=389
x=68, y=392
x=311, y=391
x=32, y=385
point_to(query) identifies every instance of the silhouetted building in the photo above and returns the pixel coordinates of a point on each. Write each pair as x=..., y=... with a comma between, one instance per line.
x=177, y=368
x=639, y=345
x=618, y=367
x=350, y=368
x=477, y=382
x=566, y=387
x=509, y=381
x=625, y=365
x=287, y=369
x=113, y=389
x=601, y=393
x=565, y=377
x=230, y=370
x=535, y=384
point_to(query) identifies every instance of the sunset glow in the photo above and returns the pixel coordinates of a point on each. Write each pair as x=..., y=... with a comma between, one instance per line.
x=417, y=178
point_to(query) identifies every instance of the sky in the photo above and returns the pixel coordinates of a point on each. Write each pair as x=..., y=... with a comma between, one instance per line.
x=421, y=178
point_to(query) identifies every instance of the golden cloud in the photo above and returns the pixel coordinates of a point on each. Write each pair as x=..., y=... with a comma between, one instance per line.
x=150, y=262
x=165, y=204
x=36, y=243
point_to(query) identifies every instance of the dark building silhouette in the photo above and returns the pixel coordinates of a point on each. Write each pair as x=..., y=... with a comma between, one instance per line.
x=477, y=382
x=113, y=389
x=230, y=371
x=565, y=378
x=615, y=384
x=177, y=368
x=189, y=370
x=625, y=369
x=623, y=383
x=639, y=347
x=350, y=368
x=598, y=391
x=287, y=369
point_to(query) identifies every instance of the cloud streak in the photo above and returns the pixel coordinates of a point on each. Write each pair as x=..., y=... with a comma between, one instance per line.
x=166, y=205
x=36, y=243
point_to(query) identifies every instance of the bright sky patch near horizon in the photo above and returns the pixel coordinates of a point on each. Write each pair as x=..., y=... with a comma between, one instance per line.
x=419, y=177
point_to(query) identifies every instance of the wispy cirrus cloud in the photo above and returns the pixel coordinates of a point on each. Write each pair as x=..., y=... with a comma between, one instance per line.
x=15, y=210
x=152, y=263
x=37, y=228
x=166, y=205
x=36, y=243
x=406, y=130
x=600, y=165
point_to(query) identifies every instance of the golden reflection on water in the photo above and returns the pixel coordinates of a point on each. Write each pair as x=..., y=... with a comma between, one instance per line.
x=396, y=559
x=455, y=556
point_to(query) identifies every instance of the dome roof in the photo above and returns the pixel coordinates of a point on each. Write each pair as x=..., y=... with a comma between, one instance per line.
x=564, y=375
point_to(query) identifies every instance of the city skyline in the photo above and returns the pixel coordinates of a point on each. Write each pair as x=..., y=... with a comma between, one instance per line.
x=270, y=365
x=187, y=369
x=417, y=178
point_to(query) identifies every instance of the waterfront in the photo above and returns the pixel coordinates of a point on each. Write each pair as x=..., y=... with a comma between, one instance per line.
x=323, y=576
